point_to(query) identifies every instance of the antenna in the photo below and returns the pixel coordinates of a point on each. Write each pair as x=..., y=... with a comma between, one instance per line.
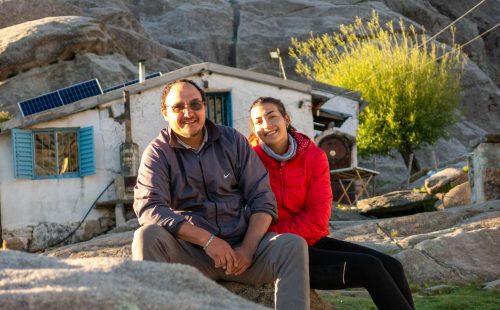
x=276, y=55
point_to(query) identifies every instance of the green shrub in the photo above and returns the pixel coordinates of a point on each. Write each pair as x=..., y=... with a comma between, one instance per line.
x=412, y=86
x=4, y=116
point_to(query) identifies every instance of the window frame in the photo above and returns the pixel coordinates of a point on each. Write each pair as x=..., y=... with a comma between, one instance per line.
x=24, y=152
x=54, y=132
x=226, y=104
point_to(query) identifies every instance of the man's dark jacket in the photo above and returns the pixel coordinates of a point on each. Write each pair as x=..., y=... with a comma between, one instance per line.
x=216, y=189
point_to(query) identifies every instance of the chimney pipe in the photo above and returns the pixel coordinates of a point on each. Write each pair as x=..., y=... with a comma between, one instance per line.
x=142, y=70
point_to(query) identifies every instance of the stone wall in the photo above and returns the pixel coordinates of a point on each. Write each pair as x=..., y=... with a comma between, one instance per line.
x=484, y=169
x=39, y=237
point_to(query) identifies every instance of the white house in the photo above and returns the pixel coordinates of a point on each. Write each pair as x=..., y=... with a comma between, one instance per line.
x=56, y=163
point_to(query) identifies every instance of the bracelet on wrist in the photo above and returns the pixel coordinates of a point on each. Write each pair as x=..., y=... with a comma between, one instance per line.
x=210, y=239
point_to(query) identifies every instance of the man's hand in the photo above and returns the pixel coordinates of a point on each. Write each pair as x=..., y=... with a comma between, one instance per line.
x=246, y=260
x=223, y=255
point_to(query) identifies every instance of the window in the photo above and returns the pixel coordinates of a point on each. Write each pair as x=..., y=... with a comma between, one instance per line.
x=219, y=108
x=53, y=153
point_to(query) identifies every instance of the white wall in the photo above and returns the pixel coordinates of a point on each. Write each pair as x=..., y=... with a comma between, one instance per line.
x=29, y=202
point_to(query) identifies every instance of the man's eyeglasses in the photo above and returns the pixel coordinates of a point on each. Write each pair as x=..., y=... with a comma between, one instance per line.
x=194, y=105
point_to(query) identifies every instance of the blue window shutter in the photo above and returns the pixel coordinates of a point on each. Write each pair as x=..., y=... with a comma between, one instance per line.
x=86, y=151
x=22, y=146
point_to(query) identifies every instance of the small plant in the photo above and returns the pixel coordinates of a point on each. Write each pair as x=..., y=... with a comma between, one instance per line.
x=394, y=233
x=4, y=116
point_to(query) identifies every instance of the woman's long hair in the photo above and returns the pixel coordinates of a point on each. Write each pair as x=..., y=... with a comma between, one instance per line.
x=252, y=137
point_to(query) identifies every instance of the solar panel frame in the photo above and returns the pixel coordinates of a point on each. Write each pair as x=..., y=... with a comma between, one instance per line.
x=41, y=103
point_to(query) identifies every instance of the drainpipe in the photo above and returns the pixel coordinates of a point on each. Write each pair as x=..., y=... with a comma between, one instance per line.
x=129, y=163
x=129, y=151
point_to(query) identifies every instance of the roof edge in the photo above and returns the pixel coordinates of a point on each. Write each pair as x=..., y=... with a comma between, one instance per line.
x=302, y=85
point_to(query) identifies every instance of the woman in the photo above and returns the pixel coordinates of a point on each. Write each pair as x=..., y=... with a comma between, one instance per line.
x=300, y=179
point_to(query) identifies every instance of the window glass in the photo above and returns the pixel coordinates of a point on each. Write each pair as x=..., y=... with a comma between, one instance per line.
x=67, y=152
x=218, y=108
x=56, y=153
x=45, y=156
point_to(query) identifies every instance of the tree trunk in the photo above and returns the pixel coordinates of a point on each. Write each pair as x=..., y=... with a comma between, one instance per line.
x=406, y=152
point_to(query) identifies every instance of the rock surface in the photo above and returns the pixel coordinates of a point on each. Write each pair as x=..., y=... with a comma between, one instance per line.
x=29, y=281
x=109, y=245
x=457, y=244
x=444, y=180
x=265, y=295
x=42, y=42
x=395, y=202
x=493, y=285
x=460, y=195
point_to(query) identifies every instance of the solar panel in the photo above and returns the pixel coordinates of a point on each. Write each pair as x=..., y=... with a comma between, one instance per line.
x=41, y=103
x=60, y=97
x=152, y=75
x=113, y=88
x=130, y=82
x=80, y=91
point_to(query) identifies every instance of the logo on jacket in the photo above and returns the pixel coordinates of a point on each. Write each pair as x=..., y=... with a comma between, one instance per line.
x=226, y=175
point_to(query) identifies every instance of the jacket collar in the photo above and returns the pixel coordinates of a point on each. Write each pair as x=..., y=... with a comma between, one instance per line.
x=303, y=144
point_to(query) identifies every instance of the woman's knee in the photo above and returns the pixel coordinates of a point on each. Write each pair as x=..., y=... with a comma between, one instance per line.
x=393, y=265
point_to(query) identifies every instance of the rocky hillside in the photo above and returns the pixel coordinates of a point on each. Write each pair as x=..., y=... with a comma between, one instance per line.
x=48, y=44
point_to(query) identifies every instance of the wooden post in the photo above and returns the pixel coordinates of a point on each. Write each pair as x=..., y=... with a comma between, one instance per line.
x=409, y=171
x=435, y=160
x=374, y=186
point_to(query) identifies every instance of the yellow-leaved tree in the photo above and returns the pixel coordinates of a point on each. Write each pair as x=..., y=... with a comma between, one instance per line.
x=412, y=85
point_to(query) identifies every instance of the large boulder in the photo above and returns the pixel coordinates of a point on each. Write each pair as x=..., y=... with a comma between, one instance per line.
x=110, y=69
x=445, y=180
x=45, y=41
x=34, y=282
x=458, y=255
x=272, y=24
x=395, y=203
x=203, y=28
x=460, y=195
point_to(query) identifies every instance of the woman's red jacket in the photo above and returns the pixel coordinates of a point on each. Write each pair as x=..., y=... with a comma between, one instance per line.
x=303, y=190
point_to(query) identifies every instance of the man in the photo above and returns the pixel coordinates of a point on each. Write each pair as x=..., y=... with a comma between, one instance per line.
x=203, y=198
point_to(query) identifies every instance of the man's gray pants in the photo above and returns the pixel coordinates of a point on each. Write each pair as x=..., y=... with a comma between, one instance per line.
x=279, y=259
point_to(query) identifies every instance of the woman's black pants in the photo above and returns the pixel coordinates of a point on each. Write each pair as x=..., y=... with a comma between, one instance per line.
x=336, y=264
